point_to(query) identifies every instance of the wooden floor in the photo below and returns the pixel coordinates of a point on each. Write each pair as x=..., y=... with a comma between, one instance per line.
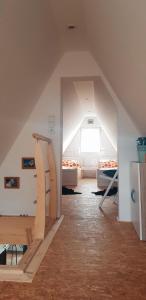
x=92, y=257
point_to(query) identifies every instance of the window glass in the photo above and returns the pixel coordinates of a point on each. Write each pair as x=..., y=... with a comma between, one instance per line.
x=90, y=140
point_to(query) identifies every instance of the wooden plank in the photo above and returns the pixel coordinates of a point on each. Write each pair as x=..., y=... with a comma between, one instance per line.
x=29, y=255
x=6, y=269
x=36, y=261
x=23, y=277
x=13, y=229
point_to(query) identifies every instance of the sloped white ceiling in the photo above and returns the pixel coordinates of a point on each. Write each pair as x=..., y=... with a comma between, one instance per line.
x=114, y=31
x=106, y=111
x=72, y=111
x=117, y=30
x=29, y=50
x=70, y=12
x=33, y=34
x=85, y=93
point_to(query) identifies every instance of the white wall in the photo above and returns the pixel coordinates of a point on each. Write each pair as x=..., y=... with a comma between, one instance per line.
x=29, y=53
x=88, y=96
x=82, y=67
x=90, y=159
x=127, y=135
x=72, y=112
x=106, y=110
x=71, y=65
x=21, y=201
x=117, y=33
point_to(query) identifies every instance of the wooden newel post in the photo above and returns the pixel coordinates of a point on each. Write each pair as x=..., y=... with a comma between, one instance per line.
x=40, y=219
x=40, y=184
x=53, y=183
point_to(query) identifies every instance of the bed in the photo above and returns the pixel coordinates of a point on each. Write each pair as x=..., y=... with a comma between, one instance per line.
x=70, y=172
x=102, y=178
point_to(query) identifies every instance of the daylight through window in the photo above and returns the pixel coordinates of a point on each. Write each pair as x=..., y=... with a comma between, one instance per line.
x=90, y=140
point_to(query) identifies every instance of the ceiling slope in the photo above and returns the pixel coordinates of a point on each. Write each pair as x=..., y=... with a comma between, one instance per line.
x=116, y=29
x=32, y=34
x=106, y=111
x=72, y=111
x=29, y=51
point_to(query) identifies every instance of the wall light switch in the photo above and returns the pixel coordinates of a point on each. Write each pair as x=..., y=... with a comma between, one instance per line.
x=52, y=124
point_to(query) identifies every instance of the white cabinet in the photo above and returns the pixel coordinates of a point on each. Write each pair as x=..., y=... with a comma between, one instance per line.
x=138, y=198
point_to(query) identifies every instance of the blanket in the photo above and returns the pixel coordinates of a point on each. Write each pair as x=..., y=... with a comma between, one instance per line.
x=66, y=191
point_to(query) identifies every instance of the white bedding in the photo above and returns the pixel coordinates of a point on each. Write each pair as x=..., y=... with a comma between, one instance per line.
x=102, y=179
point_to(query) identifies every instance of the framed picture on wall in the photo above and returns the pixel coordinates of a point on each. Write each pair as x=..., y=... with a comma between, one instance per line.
x=28, y=163
x=11, y=182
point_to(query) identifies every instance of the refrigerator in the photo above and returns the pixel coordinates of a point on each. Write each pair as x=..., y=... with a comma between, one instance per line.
x=138, y=198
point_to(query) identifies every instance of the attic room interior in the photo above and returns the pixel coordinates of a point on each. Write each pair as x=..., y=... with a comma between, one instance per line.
x=71, y=68
x=89, y=132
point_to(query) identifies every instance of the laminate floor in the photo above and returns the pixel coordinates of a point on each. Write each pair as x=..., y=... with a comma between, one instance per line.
x=92, y=256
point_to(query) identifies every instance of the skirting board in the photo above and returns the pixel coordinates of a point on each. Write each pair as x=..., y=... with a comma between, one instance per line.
x=27, y=276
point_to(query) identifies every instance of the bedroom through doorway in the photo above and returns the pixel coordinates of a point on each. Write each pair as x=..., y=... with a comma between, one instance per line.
x=89, y=135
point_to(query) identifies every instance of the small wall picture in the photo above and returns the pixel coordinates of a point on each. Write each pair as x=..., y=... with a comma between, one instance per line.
x=12, y=182
x=28, y=163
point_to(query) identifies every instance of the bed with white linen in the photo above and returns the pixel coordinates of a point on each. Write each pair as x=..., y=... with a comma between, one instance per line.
x=70, y=172
x=102, y=179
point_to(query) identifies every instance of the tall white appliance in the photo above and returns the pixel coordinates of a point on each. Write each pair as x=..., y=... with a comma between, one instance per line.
x=138, y=198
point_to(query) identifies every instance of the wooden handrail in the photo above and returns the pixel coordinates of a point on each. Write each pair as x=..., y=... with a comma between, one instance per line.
x=41, y=137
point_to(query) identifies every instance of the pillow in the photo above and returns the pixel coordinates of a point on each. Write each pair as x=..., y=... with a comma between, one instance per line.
x=108, y=164
x=70, y=163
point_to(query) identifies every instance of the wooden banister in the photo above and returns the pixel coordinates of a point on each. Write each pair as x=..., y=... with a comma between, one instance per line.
x=41, y=178
x=39, y=229
x=41, y=138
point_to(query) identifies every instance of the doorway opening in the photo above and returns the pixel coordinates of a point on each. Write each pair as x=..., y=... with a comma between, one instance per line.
x=89, y=135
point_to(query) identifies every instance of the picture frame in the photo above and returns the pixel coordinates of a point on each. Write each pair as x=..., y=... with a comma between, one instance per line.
x=28, y=163
x=11, y=182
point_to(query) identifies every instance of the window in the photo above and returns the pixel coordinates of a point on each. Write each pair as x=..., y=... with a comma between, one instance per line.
x=90, y=140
